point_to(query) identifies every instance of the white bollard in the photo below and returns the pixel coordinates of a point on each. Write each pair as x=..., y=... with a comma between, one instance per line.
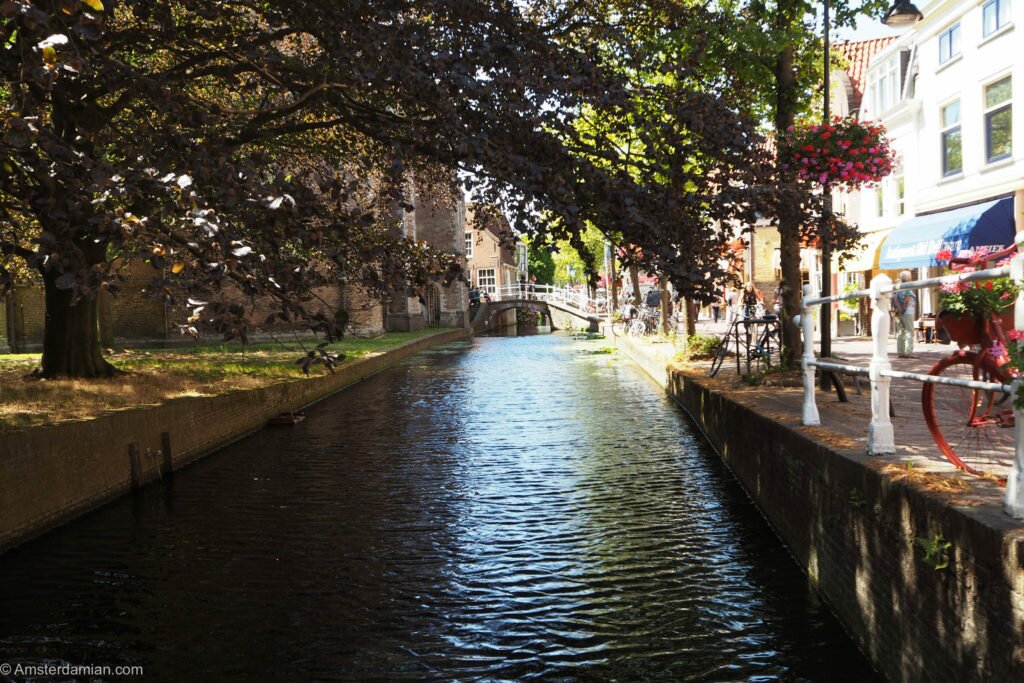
x=881, y=440
x=806, y=322
x=1015, y=482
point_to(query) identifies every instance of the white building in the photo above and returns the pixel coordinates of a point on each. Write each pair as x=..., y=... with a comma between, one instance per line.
x=945, y=92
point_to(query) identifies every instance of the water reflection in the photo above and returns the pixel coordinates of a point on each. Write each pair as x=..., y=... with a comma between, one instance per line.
x=507, y=508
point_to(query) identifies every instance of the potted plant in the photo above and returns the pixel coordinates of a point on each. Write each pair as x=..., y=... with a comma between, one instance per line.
x=849, y=313
x=966, y=306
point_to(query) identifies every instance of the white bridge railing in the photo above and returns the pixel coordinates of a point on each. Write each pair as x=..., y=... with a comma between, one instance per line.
x=881, y=439
x=567, y=296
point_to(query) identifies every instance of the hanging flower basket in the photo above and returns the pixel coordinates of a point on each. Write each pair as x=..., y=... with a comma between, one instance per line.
x=845, y=153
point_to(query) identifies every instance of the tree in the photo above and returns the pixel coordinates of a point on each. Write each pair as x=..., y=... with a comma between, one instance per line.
x=540, y=262
x=268, y=145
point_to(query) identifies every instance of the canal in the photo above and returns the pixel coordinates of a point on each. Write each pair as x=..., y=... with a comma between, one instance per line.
x=499, y=509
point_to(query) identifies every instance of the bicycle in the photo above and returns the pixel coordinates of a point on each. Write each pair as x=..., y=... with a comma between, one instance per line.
x=972, y=426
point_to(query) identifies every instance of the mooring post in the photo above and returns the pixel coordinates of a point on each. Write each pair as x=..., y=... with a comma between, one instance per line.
x=135, y=465
x=806, y=322
x=881, y=440
x=1015, y=482
x=165, y=448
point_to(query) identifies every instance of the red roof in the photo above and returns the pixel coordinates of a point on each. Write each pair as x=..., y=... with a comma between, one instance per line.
x=858, y=54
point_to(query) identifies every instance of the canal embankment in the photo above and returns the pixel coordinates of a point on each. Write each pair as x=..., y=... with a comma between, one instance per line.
x=925, y=572
x=52, y=474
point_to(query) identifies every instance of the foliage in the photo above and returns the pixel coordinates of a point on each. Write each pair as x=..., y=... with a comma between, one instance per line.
x=540, y=262
x=849, y=308
x=981, y=299
x=845, y=153
x=268, y=147
x=703, y=345
x=936, y=551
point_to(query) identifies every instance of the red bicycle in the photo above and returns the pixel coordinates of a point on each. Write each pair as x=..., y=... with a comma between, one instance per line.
x=973, y=426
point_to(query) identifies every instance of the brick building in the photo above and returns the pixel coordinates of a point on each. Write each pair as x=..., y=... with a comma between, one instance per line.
x=133, y=318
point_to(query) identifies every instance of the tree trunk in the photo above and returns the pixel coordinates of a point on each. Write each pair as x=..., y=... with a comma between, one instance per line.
x=71, y=339
x=613, y=285
x=786, y=92
x=665, y=304
x=634, y=278
x=691, y=317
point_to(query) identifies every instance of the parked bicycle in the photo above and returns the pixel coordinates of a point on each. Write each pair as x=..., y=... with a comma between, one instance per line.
x=973, y=426
x=762, y=346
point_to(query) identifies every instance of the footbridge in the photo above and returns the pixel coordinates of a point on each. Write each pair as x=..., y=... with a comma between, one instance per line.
x=563, y=307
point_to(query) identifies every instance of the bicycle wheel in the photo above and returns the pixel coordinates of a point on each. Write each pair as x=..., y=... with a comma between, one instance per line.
x=974, y=428
x=636, y=328
x=721, y=351
x=619, y=327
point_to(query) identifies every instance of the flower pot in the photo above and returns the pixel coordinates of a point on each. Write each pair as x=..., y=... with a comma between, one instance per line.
x=967, y=331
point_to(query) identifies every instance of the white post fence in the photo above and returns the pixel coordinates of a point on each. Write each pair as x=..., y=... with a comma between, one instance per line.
x=880, y=435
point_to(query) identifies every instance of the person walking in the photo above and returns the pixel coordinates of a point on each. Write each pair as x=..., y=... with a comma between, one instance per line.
x=730, y=305
x=904, y=306
x=751, y=298
x=716, y=308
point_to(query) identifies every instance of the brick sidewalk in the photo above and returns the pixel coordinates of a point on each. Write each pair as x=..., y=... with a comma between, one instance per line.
x=850, y=420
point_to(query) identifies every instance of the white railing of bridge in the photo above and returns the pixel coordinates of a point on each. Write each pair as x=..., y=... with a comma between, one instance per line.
x=578, y=298
x=881, y=439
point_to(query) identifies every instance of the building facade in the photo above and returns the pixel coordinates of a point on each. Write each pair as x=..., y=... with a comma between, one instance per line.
x=945, y=92
x=491, y=249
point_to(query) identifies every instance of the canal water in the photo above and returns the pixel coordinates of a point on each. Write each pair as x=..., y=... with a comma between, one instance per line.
x=499, y=509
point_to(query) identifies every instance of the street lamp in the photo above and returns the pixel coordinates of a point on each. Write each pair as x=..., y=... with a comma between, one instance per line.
x=902, y=14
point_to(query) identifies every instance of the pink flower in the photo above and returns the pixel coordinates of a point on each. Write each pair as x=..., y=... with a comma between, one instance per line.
x=943, y=255
x=1015, y=335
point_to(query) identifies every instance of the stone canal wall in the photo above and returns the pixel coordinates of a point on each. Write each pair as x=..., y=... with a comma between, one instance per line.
x=862, y=536
x=50, y=475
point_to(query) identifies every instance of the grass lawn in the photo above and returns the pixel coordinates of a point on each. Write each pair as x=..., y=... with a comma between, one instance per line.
x=153, y=376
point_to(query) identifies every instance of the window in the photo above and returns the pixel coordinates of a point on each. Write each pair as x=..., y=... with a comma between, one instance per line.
x=995, y=15
x=998, y=120
x=879, y=201
x=469, y=244
x=885, y=86
x=949, y=43
x=901, y=190
x=952, y=144
x=486, y=281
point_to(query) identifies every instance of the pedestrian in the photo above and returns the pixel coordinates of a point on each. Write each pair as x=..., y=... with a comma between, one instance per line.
x=522, y=285
x=904, y=307
x=533, y=287
x=751, y=298
x=731, y=305
x=777, y=300
x=653, y=298
x=716, y=308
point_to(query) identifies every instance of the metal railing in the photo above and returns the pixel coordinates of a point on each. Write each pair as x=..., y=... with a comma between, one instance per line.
x=880, y=438
x=578, y=298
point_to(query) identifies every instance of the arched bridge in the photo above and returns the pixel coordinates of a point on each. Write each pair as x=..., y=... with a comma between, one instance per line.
x=559, y=313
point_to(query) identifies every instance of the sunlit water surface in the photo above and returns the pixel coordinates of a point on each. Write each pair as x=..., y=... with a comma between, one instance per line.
x=506, y=508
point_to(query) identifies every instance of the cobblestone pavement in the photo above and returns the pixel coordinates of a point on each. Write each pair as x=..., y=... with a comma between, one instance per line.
x=850, y=420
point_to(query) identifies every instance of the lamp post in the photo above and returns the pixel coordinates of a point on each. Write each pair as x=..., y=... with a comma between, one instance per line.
x=900, y=15
x=826, y=210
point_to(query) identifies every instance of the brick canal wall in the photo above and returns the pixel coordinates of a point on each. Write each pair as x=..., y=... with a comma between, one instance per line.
x=857, y=533
x=51, y=475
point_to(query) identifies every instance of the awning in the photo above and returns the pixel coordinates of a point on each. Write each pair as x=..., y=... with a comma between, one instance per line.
x=865, y=255
x=915, y=243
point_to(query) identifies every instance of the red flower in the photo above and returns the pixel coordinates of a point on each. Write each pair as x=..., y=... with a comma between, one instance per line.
x=1015, y=335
